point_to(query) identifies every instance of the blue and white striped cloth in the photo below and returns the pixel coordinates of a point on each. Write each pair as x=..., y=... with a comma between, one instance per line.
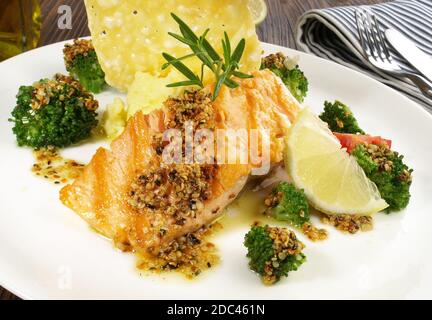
x=332, y=34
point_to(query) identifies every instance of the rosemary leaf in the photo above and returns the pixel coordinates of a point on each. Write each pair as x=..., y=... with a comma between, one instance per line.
x=166, y=65
x=181, y=39
x=184, y=28
x=238, y=52
x=186, y=83
x=180, y=66
x=231, y=83
x=222, y=68
x=211, y=51
x=242, y=75
x=203, y=57
x=227, y=48
x=219, y=84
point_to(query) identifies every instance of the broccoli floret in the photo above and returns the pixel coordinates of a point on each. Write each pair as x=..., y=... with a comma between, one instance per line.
x=386, y=169
x=82, y=63
x=364, y=159
x=293, y=78
x=57, y=113
x=273, y=252
x=287, y=203
x=340, y=118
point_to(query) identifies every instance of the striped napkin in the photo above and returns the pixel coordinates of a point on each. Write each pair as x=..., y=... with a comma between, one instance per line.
x=332, y=34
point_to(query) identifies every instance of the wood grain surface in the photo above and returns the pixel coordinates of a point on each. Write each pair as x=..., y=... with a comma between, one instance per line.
x=277, y=29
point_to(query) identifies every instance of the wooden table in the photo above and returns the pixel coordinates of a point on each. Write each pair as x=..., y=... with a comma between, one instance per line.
x=277, y=29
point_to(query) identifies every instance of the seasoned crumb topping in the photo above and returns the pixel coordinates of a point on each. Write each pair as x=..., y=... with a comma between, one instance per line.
x=51, y=166
x=308, y=229
x=190, y=255
x=173, y=193
x=175, y=190
x=63, y=87
x=195, y=106
x=79, y=47
x=276, y=60
x=285, y=243
x=380, y=154
x=314, y=233
x=349, y=223
x=272, y=200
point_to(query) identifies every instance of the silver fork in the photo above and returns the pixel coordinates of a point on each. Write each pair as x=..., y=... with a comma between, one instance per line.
x=377, y=52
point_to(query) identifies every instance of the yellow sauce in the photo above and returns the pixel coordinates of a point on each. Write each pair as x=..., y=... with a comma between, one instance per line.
x=189, y=256
x=249, y=208
x=51, y=166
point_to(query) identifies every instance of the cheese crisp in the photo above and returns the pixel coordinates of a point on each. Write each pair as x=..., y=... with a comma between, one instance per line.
x=130, y=35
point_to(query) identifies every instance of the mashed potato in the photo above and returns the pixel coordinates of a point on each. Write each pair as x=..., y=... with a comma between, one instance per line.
x=148, y=92
x=114, y=119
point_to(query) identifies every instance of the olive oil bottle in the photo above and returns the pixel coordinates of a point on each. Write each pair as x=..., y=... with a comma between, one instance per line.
x=20, y=22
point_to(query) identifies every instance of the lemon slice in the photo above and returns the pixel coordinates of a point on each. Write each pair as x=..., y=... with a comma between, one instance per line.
x=258, y=9
x=332, y=180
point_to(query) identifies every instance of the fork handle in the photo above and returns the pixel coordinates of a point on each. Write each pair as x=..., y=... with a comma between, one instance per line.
x=422, y=83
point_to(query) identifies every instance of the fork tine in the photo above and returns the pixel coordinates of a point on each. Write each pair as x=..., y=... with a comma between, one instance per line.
x=381, y=37
x=365, y=31
x=360, y=28
x=371, y=35
x=375, y=48
x=362, y=32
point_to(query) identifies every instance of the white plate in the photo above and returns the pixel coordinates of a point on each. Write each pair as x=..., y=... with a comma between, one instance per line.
x=46, y=251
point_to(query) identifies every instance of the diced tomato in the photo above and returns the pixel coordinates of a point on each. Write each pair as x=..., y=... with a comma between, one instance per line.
x=350, y=141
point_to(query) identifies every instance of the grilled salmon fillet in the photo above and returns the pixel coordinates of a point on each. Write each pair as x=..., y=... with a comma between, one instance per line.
x=130, y=195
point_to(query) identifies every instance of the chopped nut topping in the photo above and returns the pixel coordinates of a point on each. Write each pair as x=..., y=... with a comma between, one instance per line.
x=405, y=176
x=194, y=106
x=173, y=190
x=176, y=192
x=349, y=223
x=285, y=244
x=63, y=87
x=339, y=123
x=379, y=155
x=314, y=233
x=50, y=165
x=172, y=194
x=189, y=255
x=273, y=199
x=274, y=61
x=79, y=47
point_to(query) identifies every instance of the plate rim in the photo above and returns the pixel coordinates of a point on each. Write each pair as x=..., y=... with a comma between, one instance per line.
x=20, y=291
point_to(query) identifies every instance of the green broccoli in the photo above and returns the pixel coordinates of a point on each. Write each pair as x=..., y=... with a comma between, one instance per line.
x=287, y=203
x=82, y=63
x=340, y=118
x=386, y=169
x=273, y=252
x=293, y=78
x=57, y=113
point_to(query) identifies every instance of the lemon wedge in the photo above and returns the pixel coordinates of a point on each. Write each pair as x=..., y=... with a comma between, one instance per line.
x=332, y=180
x=258, y=9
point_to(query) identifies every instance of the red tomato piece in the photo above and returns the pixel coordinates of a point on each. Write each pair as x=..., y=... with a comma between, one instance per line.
x=350, y=141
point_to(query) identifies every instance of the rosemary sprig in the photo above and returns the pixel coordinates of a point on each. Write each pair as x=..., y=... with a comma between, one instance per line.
x=223, y=68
